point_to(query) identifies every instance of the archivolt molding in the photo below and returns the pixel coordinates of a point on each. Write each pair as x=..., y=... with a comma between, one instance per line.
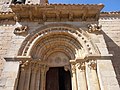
x=56, y=42
x=58, y=47
x=59, y=37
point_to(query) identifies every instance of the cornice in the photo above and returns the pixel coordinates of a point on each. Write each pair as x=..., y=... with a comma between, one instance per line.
x=110, y=14
x=7, y=15
x=54, y=12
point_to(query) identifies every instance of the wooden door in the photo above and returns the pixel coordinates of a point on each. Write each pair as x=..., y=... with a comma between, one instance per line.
x=64, y=79
x=52, y=79
x=58, y=79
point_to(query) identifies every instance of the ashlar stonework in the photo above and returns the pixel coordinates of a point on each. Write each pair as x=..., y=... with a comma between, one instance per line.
x=58, y=46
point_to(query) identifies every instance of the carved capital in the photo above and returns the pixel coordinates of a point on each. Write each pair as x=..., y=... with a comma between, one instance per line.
x=81, y=66
x=24, y=64
x=73, y=68
x=67, y=67
x=58, y=16
x=21, y=30
x=44, y=68
x=92, y=64
x=94, y=28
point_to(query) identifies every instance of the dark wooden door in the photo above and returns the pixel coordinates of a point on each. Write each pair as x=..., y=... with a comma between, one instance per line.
x=58, y=79
x=64, y=79
x=52, y=82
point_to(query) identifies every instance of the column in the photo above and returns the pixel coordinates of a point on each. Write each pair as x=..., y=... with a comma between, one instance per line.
x=27, y=77
x=81, y=78
x=22, y=78
x=74, y=78
x=38, y=78
x=91, y=76
x=33, y=76
x=44, y=69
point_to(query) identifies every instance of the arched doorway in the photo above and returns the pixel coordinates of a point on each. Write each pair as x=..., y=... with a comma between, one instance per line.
x=58, y=77
x=52, y=48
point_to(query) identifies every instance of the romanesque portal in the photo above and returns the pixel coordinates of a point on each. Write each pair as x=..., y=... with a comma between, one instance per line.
x=58, y=53
x=47, y=46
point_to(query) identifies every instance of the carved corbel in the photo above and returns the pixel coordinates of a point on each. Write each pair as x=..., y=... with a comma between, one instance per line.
x=16, y=18
x=58, y=16
x=94, y=28
x=44, y=17
x=21, y=30
x=71, y=16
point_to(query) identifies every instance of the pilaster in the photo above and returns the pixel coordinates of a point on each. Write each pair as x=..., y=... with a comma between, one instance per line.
x=44, y=69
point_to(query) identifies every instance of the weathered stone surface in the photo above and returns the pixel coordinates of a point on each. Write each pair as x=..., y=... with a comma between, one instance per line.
x=70, y=30
x=9, y=76
x=103, y=67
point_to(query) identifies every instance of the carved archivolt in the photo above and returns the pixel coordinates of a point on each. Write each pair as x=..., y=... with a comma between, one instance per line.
x=53, y=38
x=57, y=45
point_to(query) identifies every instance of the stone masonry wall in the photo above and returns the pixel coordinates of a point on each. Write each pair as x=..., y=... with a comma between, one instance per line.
x=111, y=33
x=10, y=42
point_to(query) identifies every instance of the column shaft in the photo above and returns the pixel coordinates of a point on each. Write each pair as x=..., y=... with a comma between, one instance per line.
x=38, y=79
x=27, y=78
x=92, y=79
x=43, y=77
x=81, y=78
x=21, y=79
x=32, y=82
x=74, y=78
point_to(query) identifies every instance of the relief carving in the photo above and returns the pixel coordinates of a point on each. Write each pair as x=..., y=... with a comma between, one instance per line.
x=92, y=64
x=94, y=28
x=73, y=68
x=81, y=66
x=21, y=30
x=57, y=59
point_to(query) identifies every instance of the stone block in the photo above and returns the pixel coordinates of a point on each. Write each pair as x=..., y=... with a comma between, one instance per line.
x=9, y=75
x=113, y=87
x=10, y=82
x=3, y=81
x=108, y=73
x=110, y=80
x=105, y=65
x=8, y=88
x=103, y=51
x=104, y=68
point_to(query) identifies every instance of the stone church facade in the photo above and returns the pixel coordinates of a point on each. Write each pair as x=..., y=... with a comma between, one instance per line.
x=58, y=46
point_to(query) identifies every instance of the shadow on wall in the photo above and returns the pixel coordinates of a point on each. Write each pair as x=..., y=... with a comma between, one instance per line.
x=114, y=49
